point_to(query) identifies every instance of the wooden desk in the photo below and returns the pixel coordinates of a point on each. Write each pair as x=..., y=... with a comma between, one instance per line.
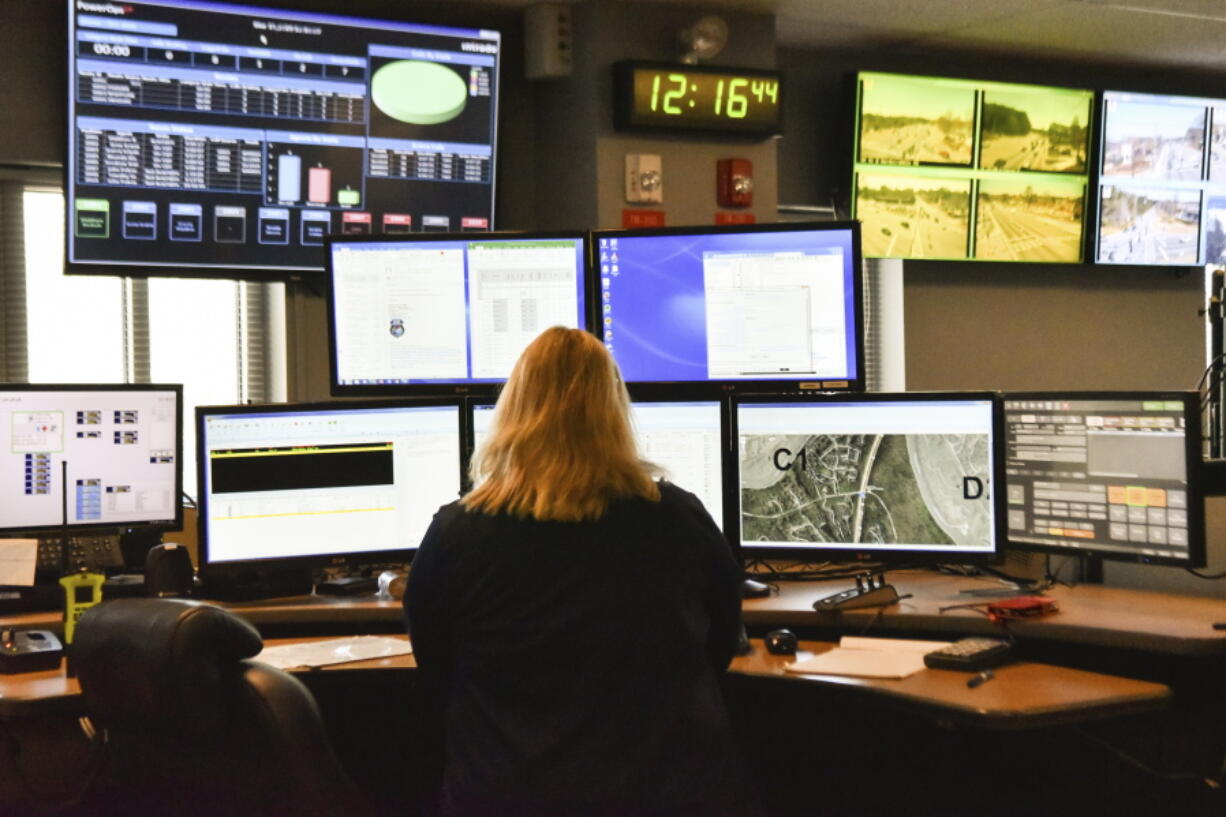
x=1023, y=695
x=1090, y=615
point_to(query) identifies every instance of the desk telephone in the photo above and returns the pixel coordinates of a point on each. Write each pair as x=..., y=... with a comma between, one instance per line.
x=93, y=551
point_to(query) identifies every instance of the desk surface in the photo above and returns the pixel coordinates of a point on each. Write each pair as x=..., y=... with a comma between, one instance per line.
x=1022, y=695
x=1092, y=615
x=1089, y=614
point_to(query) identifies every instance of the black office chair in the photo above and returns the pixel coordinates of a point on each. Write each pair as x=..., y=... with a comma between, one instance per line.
x=191, y=727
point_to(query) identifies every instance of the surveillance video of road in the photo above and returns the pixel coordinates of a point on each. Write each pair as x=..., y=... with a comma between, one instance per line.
x=958, y=169
x=1162, y=142
x=1148, y=226
x=1029, y=218
x=913, y=217
x=1028, y=130
x=871, y=490
x=904, y=122
x=1163, y=169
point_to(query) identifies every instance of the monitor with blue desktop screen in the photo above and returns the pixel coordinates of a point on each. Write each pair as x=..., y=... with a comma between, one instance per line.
x=312, y=484
x=882, y=477
x=446, y=313
x=746, y=308
x=681, y=436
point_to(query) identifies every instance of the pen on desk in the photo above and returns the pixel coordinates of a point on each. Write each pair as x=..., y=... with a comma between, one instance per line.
x=981, y=677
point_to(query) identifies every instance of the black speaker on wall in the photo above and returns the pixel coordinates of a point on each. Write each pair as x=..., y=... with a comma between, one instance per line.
x=168, y=571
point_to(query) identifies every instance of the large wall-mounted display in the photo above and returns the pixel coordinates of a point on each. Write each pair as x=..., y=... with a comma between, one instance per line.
x=961, y=169
x=211, y=138
x=1162, y=183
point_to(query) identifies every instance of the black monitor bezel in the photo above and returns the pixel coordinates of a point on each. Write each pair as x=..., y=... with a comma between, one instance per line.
x=457, y=388
x=1192, y=451
x=152, y=525
x=278, y=563
x=863, y=555
x=700, y=389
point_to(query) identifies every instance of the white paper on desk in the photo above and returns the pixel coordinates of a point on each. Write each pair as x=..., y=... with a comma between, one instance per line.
x=18, y=558
x=869, y=658
x=333, y=651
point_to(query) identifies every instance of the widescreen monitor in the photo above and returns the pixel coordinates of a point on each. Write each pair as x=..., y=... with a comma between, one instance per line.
x=1162, y=180
x=319, y=483
x=1111, y=474
x=706, y=310
x=446, y=313
x=874, y=477
x=91, y=456
x=209, y=138
x=957, y=169
x=684, y=437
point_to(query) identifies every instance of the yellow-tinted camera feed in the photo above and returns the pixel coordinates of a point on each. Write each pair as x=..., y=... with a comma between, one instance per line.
x=907, y=121
x=912, y=217
x=1032, y=129
x=964, y=169
x=1029, y=218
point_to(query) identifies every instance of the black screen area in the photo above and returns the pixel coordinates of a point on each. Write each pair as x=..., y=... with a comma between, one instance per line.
x=297, y=469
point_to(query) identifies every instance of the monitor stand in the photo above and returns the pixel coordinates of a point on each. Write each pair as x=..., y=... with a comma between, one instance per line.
x=871, y=590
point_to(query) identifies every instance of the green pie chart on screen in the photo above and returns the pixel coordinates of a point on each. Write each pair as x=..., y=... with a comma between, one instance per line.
x=418, y=92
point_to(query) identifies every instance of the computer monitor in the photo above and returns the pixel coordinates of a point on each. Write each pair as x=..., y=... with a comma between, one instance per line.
x=872, y=477
x=707, y=310
x=446, y=313
x=315, y=484
x=685, y=437
x=1160, y=191
x=210, y=138
x=90, y=456
x=1110, y=474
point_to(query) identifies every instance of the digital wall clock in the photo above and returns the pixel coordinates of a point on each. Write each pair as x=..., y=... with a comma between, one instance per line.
x=675, y=97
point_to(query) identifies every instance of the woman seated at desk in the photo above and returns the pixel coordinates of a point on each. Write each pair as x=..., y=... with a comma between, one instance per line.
x=571, y=616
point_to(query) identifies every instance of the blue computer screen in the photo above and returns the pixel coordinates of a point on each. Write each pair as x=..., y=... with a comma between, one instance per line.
x=771, y=304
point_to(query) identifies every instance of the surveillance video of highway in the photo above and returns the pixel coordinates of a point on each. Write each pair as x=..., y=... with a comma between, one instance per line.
x=907, y=217
x=909, y=122
x=1032, y=218
x=1029, y=130
x=957, y=169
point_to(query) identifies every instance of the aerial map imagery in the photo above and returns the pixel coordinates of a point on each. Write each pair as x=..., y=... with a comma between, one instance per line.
x=866, y=489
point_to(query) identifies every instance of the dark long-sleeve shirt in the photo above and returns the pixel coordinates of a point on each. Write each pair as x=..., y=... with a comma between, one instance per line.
x=576, y=665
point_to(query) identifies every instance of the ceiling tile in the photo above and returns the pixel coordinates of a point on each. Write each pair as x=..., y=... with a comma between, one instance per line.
x=913, y=16
x=1083, y=30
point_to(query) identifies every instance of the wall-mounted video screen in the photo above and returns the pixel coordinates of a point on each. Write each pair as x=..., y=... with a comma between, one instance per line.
x=707, y=310
x=1162, y=183
x=446, y=314
x=957, y=169
x=207, y=138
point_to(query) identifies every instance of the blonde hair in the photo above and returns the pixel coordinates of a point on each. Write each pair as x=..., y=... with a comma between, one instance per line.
x=561, y=446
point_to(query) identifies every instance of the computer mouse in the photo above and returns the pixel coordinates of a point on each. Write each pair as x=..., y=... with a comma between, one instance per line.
x=781, y=642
